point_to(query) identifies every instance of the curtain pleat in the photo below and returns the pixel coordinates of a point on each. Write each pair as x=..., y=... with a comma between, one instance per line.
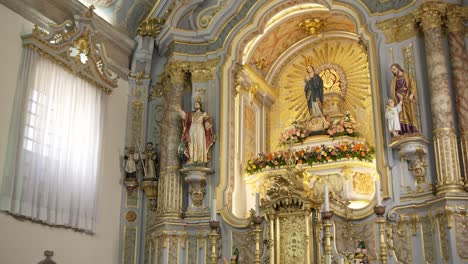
x=54, y=147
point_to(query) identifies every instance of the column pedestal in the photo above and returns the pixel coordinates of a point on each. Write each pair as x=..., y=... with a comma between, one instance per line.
x=195, y=177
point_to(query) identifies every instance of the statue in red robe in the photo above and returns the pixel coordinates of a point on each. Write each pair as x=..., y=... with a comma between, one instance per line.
x=197, y=134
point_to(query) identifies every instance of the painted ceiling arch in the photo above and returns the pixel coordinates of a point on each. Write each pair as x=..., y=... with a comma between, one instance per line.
x=284, y=35
x=208, y=15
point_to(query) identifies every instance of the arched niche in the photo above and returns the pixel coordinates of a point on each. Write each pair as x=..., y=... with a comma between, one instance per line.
x=247, y=84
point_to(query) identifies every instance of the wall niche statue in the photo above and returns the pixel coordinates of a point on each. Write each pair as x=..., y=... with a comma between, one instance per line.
x=197, y=136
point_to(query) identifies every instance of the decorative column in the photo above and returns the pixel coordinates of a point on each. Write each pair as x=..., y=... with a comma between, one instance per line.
x=170, y=182
x=459, y=64
x=445, y=140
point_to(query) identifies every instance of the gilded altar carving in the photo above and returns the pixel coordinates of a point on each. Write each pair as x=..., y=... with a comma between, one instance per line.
x=455, y=18
x=288, y=205
x=151, y=27
x=293, y=236
x=74, y=46
x=238, y=68
x=398, y=29
x=430, y=15
x=354, y=83
x=363, y=183
x=331, y=81
x=203, y=71
x=131, y=216
x=161, y=87
x=177, y=71
x=312, y=26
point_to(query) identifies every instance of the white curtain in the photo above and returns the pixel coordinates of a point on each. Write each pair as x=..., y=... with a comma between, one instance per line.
x=54, y=146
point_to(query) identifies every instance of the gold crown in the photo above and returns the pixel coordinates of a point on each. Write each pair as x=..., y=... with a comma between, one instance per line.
x=307, y=60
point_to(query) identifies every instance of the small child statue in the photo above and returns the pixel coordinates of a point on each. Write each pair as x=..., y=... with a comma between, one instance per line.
x=391, y=114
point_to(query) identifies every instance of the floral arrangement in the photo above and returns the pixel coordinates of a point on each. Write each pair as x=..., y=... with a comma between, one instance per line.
x=235, y=259
x=346, y=126
x=295, y=133
x=310, y=155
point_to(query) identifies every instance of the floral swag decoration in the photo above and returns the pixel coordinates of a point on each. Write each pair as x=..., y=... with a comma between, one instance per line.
x=297, y=132
x=311, y=155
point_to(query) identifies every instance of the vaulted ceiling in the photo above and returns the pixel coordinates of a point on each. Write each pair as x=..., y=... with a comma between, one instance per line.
x=126, y=15
x=198, y=14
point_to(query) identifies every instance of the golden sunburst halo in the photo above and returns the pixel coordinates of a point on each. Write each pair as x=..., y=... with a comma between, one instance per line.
x=343, y=65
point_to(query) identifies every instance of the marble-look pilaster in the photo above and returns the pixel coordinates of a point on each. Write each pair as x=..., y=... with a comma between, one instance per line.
x=445, y=141
x=459, y=64
x=170, y=182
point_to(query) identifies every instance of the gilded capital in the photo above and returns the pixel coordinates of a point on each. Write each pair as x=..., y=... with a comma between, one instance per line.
x=398, y=29
x=203, y=71
x=455, y=19
x=177, y=71
x=150, y=27
x=202, y=75
x=430, y=15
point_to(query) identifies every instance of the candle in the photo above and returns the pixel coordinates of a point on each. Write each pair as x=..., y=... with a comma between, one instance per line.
x=326, y=202
x=377, y=193
x=257, y=204
x=213, y=210
x=341, y=260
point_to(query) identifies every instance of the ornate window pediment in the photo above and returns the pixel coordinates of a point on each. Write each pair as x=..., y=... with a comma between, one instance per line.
x=74, y=46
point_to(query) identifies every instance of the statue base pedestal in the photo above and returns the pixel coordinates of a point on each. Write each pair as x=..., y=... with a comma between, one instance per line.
x=414, y=150
x=195, y=177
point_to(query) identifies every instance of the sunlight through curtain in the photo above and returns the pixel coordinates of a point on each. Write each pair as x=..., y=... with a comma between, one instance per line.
x=54, y=146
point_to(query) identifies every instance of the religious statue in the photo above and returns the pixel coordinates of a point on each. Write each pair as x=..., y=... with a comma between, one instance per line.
x=131, y=159
x=314, y=92
x=391, y=114
x=150, y=158
x=197, y=134
x=403, y=84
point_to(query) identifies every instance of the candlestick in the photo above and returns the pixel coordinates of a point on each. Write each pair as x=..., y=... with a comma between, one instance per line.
x=257, y=204
x=213, y=210
x=377, y=193
x=326, y=202
x=214, y=225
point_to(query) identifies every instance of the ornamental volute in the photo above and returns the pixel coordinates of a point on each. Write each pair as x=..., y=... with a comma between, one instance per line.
x=455, y=20
x=430, y=16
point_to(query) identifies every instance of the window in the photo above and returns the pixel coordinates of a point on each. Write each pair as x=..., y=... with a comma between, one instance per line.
x=55, y=170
